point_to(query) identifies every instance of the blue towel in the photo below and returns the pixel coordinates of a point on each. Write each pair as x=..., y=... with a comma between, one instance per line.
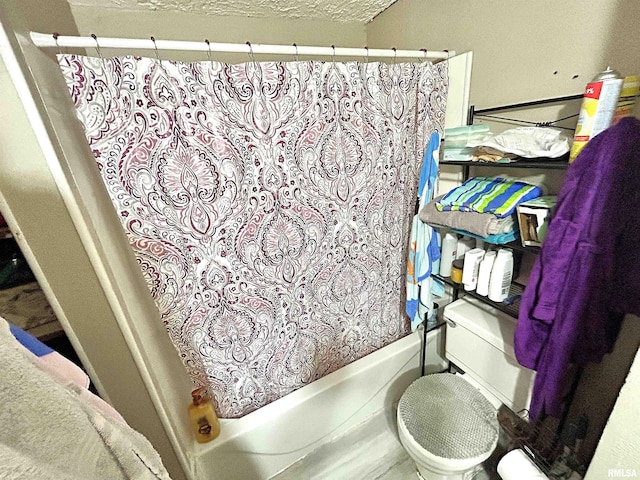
x=423, y=246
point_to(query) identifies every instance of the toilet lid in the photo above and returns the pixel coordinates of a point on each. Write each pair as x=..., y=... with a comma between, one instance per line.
x=448, y=417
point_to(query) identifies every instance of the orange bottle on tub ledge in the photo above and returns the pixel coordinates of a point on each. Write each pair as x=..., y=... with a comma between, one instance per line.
x=202, y=417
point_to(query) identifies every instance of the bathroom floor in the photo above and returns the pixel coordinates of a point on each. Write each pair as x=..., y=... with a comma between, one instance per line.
x=371, y=451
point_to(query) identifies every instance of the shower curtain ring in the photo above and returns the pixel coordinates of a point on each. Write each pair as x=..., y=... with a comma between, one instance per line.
x=366, y=58
x=251, y=53
x=55, y=37
x=297, y=58
x=333, y=55
x=155, y=47
x=95, y=38
x=424, y=51
x=395, y=55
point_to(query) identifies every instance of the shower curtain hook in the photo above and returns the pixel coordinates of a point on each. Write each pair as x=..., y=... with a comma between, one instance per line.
x=206, y=40
x=55, y=37
x=93, y=35
x=424, y=51
x=251, y=53
x=155, y=47
x=395, y=55
x=366, y=58
x=333, y=55
x=296, y=54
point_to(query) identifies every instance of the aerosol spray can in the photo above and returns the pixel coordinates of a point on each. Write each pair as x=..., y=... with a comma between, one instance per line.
x=598, y=106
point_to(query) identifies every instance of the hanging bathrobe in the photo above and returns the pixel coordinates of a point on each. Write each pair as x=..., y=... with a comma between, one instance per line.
x=423, y=244
x=587, y=276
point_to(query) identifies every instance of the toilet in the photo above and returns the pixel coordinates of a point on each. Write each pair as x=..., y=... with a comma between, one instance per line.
x=447, y=422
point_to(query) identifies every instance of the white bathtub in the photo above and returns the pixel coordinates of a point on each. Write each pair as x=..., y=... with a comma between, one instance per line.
x=266, y=441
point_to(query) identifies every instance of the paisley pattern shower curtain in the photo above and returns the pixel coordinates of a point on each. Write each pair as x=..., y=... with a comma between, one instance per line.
x=268, y=205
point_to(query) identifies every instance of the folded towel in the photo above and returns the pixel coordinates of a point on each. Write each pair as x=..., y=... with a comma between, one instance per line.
x=454, y=153
x=460, y=136
x=497, y=239
x=49, y=431
x=480, y=224
x=488, y=195
x=491, y=155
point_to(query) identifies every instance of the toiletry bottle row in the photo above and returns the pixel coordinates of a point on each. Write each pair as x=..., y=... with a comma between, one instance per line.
x=489, y=273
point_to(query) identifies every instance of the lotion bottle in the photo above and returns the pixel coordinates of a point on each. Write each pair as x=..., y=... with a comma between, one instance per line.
x=202, y=417
x=472, y=261
x=485, y=273
x=448, y=254
x=501, y=275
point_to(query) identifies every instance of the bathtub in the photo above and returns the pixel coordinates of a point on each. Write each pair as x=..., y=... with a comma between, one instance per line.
x=266, y=441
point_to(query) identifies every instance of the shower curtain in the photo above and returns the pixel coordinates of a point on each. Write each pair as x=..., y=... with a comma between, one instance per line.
x=268, y=205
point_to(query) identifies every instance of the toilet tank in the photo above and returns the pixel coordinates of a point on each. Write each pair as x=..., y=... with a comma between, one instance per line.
x=479, y=340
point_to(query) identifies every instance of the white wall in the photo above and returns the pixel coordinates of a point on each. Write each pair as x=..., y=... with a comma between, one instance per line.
x=518, y=45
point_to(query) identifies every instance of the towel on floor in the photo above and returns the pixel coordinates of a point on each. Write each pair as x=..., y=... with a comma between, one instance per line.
x=423, y=244
x=489, y=195
x=480, y=224
x=47, y=427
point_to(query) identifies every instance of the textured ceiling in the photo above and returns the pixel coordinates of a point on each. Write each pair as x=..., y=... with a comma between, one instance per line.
x=360, y=11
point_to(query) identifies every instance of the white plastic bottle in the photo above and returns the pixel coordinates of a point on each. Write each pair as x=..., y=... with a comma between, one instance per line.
x=448, y=253
x=464, y=245
x=472, y=261
x=485, y=273
x=501, y=275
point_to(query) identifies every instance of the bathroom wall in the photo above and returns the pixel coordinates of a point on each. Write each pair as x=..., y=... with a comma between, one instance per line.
x=523, y=50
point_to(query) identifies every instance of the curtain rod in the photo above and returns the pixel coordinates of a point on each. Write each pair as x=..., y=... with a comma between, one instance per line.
x=44, y=40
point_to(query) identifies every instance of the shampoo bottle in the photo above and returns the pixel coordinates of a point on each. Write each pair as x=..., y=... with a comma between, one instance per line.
x=448, y=254
x=501, y=274
x=202, y=417
x=485, y=273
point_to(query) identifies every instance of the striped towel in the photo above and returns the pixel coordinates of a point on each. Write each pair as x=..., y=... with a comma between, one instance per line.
x=488, y=195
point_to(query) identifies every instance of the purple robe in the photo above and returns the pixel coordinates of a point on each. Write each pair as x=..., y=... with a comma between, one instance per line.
x=587, y=276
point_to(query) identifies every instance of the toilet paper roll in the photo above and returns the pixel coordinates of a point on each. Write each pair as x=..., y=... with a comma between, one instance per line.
x=516, y=465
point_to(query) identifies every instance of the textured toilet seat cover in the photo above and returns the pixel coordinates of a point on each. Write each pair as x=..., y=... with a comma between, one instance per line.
x=448, y=417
